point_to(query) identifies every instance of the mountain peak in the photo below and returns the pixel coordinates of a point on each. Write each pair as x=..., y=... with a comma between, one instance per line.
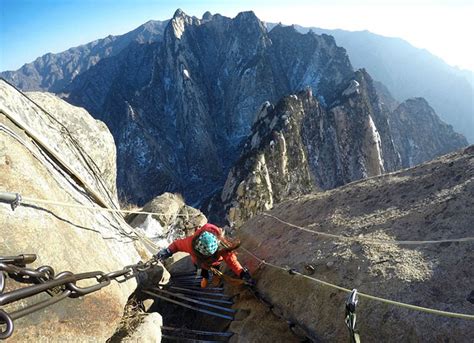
x=207, y=16
x=286, y=30
x=249, y=22
x=247, y=16
x=418, y=101
x=179, y=13
x=180, y=21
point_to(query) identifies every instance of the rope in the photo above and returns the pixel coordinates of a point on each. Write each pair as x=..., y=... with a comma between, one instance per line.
x=369, y=240
x=143, y=238
x=324, y=234
x=140, y=236
x=95, y=208
x=59, y=159
x=97, y=197
x=368, y=296
x=90, y=190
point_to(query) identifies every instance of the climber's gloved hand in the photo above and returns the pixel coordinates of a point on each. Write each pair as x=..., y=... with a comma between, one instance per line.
x=245, y=275
x=163, y=254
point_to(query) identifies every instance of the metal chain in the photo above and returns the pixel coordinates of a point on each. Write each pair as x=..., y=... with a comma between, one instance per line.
x=59, y=286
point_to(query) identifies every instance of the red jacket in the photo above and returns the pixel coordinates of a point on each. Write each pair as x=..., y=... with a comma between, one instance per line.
x=186, y=245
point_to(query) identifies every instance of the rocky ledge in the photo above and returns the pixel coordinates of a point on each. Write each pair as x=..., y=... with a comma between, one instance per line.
x=432, y=201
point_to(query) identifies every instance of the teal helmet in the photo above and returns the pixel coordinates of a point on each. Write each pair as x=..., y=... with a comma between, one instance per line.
x=206, y=244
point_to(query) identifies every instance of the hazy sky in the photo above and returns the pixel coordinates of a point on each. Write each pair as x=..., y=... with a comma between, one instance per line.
x=31, y=28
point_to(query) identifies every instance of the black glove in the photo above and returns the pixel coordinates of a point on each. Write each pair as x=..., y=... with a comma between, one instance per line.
x=245, y=275
x=163, y=254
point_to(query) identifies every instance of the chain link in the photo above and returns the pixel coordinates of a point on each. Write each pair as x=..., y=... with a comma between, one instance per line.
x=2, y=282
x=58, y=286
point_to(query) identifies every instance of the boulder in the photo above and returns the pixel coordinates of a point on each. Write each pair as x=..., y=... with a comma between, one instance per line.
x=64, y=156
x=173, y=219
x=432, y=201
x=149, y=331
x=180, y=262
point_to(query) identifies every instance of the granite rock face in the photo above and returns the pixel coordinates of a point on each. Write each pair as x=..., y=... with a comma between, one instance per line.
x=100, y=153
x=420, y=135
x=362, y=130
x=273, y=165
x=432, y=201
x=300, y=146
x=35, y=147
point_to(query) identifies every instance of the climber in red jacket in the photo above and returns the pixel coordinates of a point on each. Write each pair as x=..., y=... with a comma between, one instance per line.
x=208, y=248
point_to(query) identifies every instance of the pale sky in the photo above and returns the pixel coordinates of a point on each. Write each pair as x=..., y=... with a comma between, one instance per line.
x=31, y=28
x=445, y=28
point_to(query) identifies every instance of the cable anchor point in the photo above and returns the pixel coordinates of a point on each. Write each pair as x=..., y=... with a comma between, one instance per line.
x=15, y=203
x=350, y=318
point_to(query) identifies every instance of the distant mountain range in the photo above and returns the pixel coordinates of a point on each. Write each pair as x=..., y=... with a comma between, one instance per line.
x=54, y=72
x=405, y=70
x=180, y=98
x=411, y=72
